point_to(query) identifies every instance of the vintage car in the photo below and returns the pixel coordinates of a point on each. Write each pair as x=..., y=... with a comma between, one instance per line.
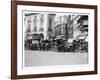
x=33, y=41
x=34, y=44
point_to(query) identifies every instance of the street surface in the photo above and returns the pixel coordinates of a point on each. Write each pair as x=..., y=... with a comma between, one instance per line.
x=50, y=58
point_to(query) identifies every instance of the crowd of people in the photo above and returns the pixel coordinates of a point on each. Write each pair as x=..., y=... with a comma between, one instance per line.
x=58, y=45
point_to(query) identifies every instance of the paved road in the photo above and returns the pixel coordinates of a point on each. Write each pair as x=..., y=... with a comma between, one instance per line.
x=49, y=58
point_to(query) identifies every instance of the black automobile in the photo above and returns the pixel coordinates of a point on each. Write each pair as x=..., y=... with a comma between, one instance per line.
x=34, y=44
x=36, y=41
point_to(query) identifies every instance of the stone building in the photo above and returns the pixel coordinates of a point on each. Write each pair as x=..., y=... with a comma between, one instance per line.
x=50, y=26
x=60, y=27
x=35, y=23
x=77, y=26
x=70, y=26
x=80, y=26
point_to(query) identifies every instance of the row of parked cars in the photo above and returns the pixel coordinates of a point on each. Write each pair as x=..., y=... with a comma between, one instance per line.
x=58, y=45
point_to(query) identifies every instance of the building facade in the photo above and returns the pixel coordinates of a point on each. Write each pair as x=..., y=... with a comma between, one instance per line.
x=60, y=27
x=35, y=23
x=51, y=23
x=55, y=25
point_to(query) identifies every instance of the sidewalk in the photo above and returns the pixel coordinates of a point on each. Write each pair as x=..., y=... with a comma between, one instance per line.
x=48, y=58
